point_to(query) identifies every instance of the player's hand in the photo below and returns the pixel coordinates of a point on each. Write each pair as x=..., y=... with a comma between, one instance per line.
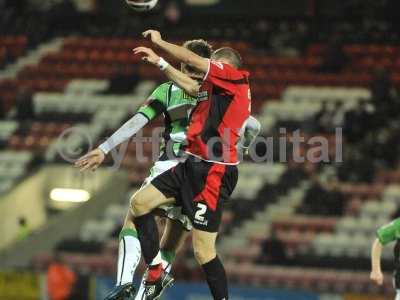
x=155, y=36
x=91, y=160
x=377, y=277
x=148, y=55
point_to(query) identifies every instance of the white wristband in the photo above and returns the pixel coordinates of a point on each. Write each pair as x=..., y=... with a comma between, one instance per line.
x=162, y=64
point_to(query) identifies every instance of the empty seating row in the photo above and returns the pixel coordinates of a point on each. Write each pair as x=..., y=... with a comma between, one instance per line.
x=254, y=176
x=83, y=103
x=75, y=43
x=357, y=50
x=359, y=231
x=322, y=94
x=7, y=128
x=13, y=46
x=13, y=165
x=305, y=223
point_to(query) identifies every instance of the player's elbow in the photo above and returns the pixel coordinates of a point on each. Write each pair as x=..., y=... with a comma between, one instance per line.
x=190, y=87
x=193, y=90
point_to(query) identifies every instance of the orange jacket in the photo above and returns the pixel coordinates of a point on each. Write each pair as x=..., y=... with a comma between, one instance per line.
x=60, y=281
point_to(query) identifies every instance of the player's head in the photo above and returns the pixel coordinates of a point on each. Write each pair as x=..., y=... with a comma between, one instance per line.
x=228, y=56
x=201, y=48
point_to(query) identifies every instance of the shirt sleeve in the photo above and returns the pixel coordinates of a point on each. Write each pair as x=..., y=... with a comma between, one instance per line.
x=125, y=132
x=389, y=232
x=156, y=103
x=224, y=76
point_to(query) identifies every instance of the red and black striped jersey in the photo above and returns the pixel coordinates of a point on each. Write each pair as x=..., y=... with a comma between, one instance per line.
x=222, y=109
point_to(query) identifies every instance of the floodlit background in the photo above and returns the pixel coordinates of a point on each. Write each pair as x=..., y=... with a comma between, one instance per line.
x=294, y=230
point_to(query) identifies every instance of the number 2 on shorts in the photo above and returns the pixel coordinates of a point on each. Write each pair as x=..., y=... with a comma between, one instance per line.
x=201, y=210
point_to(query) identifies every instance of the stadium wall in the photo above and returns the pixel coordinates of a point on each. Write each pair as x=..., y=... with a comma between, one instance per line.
x=32, y=286
x=105, y=186
x=27, y=201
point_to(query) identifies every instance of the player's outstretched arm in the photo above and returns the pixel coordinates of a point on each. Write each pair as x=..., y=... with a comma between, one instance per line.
x=186, y=83
x=376, y=272
x=125, y=132
x=182, y=80
x=94, y=158
x=91, y=160
x=180, y=53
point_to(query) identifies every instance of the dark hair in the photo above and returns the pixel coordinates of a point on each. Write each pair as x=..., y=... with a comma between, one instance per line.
x=230, y=54
x=201, y=48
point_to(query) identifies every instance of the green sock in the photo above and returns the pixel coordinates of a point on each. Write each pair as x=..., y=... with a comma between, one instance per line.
x=128, y=232
x=169, y=257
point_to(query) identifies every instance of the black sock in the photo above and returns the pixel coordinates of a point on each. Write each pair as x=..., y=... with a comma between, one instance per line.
x=147, y=230
x=216, y=279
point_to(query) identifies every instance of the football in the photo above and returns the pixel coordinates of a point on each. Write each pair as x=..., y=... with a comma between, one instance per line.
x=141, y=5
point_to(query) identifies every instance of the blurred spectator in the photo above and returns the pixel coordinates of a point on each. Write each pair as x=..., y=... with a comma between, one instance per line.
x=2, y=109
x=338, y=114
x=313, y=124
x=384, y=146
x=313, y=199
x=23, y=230
x=24, y=104
x=300, y=38
x=123, y=81
x=262, y=31
x=172, y=13
x=324, y=200
x=353, y=207
x=293, y=175
x=282, y=40
x=273, y=250
x=329, y=117
x=381, y=86
x=3, y=56
x=358, y=165
x=396, y=214
x=384, y=95
x=334, y=58
x=60, y=280
x=355, y=120
x=64, y=18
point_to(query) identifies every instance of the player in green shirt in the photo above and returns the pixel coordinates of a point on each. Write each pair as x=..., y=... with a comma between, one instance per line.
x=385, y=235
x=175, y=104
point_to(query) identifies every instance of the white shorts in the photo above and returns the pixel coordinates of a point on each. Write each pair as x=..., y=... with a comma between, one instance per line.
x=159, y=168
x=170, y=211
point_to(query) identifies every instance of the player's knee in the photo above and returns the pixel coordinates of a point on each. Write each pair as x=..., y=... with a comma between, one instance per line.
x=139, y=206
x=204, y=256
x=203, y=251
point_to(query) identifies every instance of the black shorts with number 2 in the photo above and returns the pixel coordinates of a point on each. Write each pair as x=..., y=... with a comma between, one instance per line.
x=200, y=188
